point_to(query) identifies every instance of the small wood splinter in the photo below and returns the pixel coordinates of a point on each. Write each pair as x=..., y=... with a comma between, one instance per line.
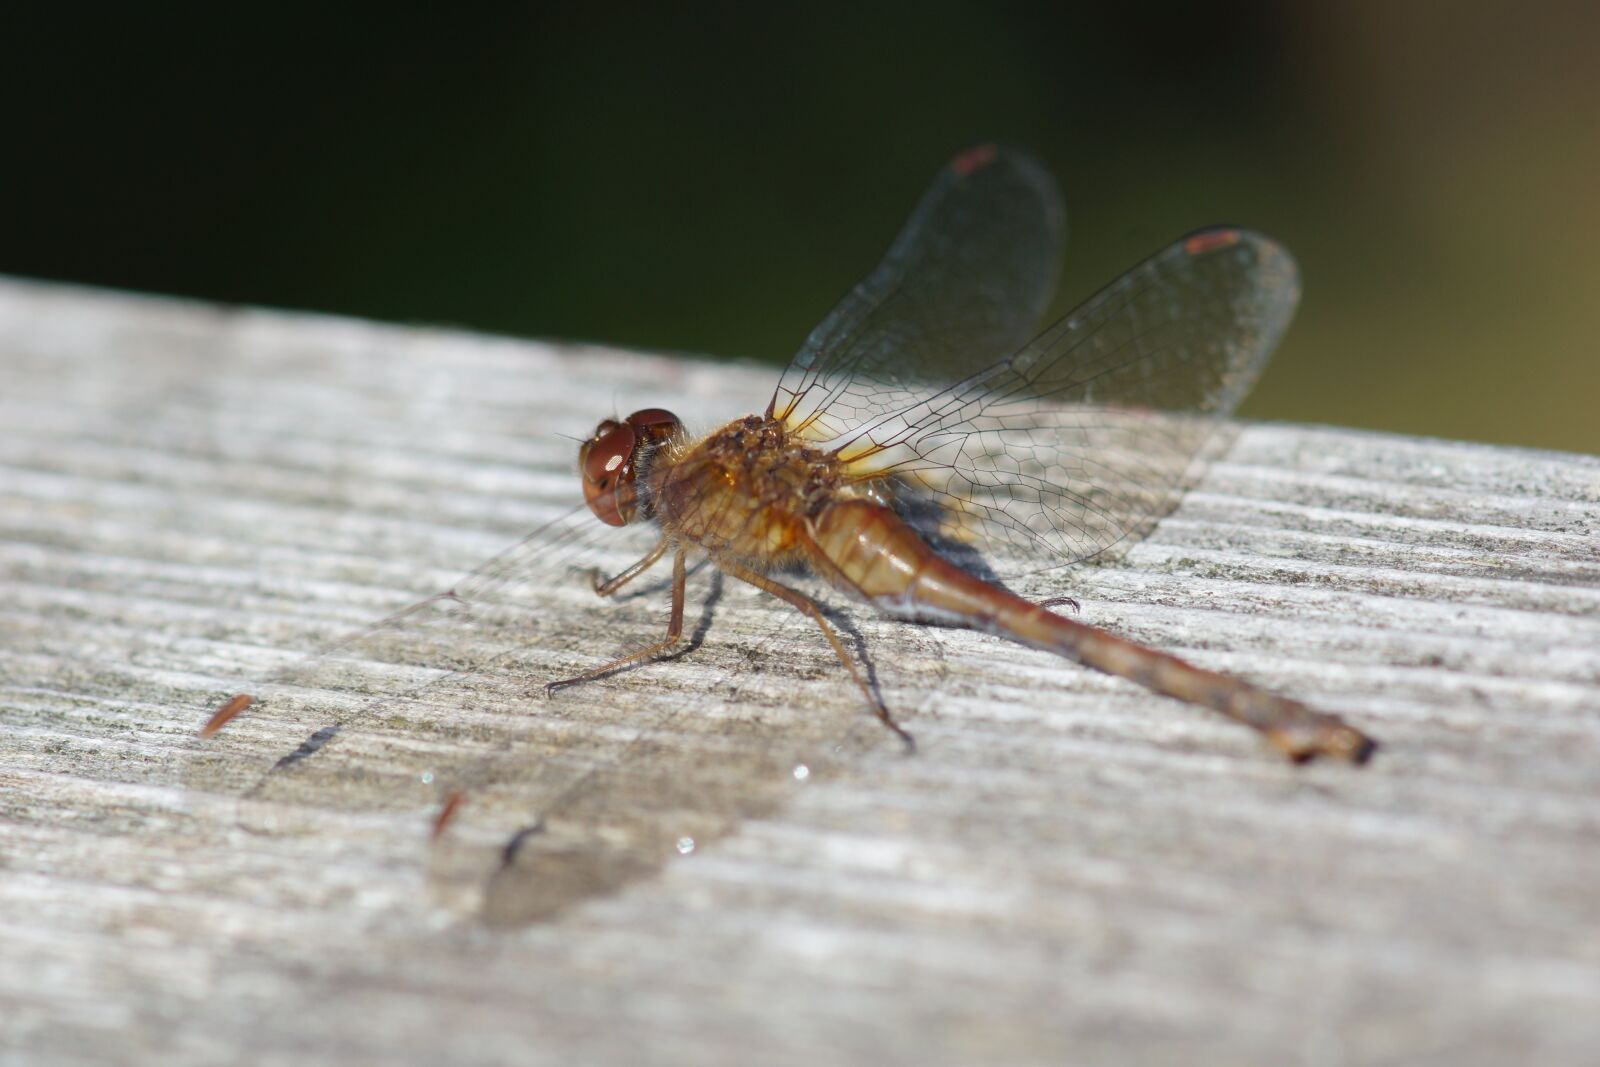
x=226, y=713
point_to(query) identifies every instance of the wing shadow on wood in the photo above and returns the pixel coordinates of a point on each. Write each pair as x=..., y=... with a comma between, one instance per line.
x=561, y=799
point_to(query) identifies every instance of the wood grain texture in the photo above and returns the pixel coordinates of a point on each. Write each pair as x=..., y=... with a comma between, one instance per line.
x=1070, y=870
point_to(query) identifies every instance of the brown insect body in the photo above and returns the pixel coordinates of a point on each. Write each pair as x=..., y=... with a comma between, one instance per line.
x=753, y=498
x=746, y=493
x=1068, y=442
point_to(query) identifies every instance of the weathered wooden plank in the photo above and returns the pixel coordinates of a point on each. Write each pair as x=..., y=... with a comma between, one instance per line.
x=1069, y=870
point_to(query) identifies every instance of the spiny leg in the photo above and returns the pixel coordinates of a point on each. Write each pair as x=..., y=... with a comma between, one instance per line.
x=606, y=586
x=807, y=605
x=680, y=571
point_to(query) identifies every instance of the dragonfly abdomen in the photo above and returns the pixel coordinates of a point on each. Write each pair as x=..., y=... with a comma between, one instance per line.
x=865, y=548
x=869, y=551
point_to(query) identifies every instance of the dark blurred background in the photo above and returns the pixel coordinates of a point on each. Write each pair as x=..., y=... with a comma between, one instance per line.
x=711, y=181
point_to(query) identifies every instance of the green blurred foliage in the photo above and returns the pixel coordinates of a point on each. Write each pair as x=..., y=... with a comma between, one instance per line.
x=712, y=179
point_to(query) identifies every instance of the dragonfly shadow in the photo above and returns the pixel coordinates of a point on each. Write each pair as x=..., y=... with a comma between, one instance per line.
x=620, y=823
x=309, y=747
x=693, y=641
x=934, y=523
x=836, y=617
x=708, y=611
x=857, y=643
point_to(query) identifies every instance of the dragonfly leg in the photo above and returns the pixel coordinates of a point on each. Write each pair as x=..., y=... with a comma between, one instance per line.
x=809, y=606
x=680, y=572
x=604, y=586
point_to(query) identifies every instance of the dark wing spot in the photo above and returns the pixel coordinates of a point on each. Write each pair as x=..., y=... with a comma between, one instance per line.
x=1209, y=241
x=973, y=159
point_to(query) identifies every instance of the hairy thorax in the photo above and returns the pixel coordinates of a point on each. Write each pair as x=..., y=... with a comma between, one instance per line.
x=745, y=491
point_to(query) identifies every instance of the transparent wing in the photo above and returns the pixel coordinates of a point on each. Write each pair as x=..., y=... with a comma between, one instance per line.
x=964, y=284
x=1089, y=432
x=565, y=797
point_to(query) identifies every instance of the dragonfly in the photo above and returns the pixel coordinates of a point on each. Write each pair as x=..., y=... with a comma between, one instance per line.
x=929, y=442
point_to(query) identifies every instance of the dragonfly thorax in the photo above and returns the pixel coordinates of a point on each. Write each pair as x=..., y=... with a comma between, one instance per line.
x=746, y=490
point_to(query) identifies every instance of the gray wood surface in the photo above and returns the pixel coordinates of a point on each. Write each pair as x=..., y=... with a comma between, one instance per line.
x=1069, y=871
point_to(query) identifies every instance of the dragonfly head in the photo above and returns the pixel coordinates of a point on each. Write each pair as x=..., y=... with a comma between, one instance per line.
x=610, y=461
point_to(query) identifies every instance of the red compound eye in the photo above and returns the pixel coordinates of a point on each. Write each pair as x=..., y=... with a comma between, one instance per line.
x=654, y=424
x=606, y=462
x=609, y=462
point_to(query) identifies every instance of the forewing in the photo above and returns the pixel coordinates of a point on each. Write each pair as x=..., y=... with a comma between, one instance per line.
x=965, y=283
x=1090, y=432
x=441, y=707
